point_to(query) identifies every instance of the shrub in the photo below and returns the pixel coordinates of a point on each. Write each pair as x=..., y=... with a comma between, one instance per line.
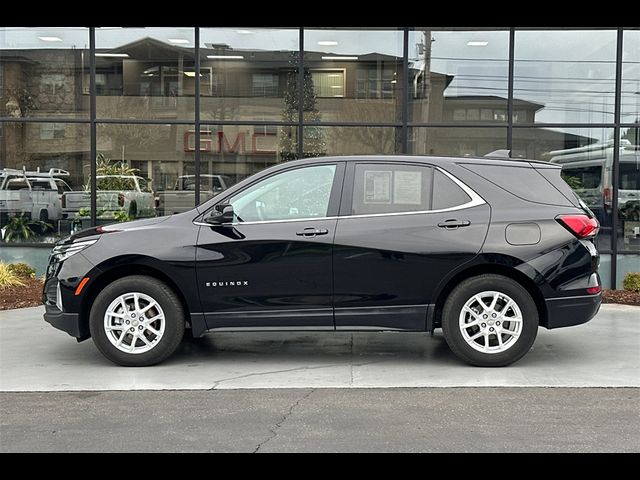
x=8, y=278
x=22, y=270
x=631, y=282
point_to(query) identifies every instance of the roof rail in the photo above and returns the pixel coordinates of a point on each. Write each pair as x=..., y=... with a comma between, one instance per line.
x=503, y=153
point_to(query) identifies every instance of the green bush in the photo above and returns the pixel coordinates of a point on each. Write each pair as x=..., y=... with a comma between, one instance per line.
x=631, y=282
x=8, y=278
x=22, y=270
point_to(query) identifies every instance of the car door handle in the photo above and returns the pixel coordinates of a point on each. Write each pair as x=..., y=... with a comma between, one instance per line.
x=312, y=232
x=453, y=224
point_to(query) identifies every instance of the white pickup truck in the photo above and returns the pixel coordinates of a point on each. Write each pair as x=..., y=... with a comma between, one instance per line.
x=128, y=193
x=182, y=197
x=35, y=194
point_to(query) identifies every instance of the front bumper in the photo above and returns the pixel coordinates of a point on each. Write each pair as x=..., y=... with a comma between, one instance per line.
x=67, y=322
x=569, y=311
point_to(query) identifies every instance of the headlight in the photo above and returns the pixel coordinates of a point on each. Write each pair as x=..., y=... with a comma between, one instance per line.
x=62, y=252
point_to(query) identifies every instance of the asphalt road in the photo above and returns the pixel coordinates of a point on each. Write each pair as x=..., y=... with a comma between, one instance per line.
x=324, y=420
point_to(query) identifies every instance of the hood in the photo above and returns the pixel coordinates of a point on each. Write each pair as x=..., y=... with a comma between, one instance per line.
x=113, y=227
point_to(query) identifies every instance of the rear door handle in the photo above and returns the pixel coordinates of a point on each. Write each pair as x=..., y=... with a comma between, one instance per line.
x=312, y=232
x=452, y=224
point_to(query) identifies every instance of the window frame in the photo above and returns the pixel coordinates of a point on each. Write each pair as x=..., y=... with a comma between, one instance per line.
x=349, y=183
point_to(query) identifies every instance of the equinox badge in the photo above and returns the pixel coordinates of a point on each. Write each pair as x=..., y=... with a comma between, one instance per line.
x=239, y=283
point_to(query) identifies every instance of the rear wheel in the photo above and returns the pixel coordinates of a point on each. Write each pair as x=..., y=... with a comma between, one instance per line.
x=137, y=321
x=490, y=321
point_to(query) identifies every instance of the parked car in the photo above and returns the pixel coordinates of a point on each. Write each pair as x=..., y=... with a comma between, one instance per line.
x=182, y=197
x=487, y=250
x=592, y=168
x=128, y=193
x=35, y=194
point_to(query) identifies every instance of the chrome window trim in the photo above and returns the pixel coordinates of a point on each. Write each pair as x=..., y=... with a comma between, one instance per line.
x=475, y=201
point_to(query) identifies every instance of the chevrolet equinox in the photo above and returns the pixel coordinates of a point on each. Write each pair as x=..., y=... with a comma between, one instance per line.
x=486, y=249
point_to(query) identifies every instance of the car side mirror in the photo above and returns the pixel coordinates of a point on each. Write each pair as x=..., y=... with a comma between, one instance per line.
x=220, y=215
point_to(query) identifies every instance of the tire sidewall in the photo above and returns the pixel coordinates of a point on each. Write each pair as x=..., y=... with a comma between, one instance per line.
x=462, y=293
x=166, y=298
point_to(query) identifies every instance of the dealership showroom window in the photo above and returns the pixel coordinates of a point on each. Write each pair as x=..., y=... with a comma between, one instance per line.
x=100, y=125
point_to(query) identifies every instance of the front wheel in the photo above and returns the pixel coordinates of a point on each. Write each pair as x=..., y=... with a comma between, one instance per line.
x=137, y=321
x=490, y=321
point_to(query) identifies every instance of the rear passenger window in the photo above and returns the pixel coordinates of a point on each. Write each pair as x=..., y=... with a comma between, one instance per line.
x=446, y=194
x=384, y=188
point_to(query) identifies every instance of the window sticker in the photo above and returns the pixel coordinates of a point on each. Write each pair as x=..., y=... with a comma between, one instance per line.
x=377, y=186
x=407, y=188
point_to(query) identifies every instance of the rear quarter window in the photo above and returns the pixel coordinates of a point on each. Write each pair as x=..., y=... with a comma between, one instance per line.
x=446, y=194
x=523, y=182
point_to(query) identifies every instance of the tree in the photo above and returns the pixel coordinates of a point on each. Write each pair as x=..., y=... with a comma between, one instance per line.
x=313, y=141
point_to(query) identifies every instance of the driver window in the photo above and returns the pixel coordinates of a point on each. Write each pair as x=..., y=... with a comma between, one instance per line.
x=300, y=193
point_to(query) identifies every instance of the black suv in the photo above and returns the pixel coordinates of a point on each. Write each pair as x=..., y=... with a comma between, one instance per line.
x=487, y=250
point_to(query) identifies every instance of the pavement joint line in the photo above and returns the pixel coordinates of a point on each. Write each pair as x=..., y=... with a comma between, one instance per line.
x=278, y=425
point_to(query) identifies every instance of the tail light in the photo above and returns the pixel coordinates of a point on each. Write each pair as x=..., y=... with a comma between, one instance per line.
x=63, y=201
x=582, y=226
x=120, y=200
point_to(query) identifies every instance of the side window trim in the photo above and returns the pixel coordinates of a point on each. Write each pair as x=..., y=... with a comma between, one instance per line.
x=334, y=196
x=349, y=179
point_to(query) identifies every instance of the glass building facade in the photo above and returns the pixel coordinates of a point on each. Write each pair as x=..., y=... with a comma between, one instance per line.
x=99, y=125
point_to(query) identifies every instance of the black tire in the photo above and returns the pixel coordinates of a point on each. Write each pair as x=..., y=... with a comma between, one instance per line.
x=168, y=301
x=489, y=282
x=133, y=209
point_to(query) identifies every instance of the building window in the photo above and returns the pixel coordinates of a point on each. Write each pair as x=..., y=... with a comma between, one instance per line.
x=265, y=85
x=51, y=131
x=328, y=83
x=375, y=82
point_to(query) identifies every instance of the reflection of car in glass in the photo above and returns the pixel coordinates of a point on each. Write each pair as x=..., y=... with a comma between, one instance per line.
x=589, y=170
x=127, y=193
x=35, y=194
x=182, y=197
x=486, y=249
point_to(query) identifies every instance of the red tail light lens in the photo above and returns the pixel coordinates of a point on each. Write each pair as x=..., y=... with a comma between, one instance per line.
x=120, y=200
x=594, y=290
x=580, y=225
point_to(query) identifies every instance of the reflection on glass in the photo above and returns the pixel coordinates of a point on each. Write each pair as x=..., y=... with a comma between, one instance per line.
x=630, y=95
x=459, y=76
x=569, y=75
x=628, y=234
x=231, y=153
x=464, y=141
x=248, y=73
x=43, y=72
x=143, y=170
x=145, y=73
x=586, y=157
x=320, y=141
x=41, y=164
x=353, y=75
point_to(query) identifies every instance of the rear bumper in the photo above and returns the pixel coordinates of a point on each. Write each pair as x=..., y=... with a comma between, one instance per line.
x=67, y=322
x=569, y=311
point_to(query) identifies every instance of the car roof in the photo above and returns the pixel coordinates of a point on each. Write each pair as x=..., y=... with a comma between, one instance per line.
x=431, y=159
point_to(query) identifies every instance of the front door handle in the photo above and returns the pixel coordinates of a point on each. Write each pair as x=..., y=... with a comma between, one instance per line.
x=312, y=232
x=452, y=224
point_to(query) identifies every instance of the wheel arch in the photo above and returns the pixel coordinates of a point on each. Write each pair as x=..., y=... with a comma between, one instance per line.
x=121, y=271
x=505, y=268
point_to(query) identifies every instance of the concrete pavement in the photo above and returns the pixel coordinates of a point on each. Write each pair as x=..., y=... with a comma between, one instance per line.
x=603, y=353
x=324, y=420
